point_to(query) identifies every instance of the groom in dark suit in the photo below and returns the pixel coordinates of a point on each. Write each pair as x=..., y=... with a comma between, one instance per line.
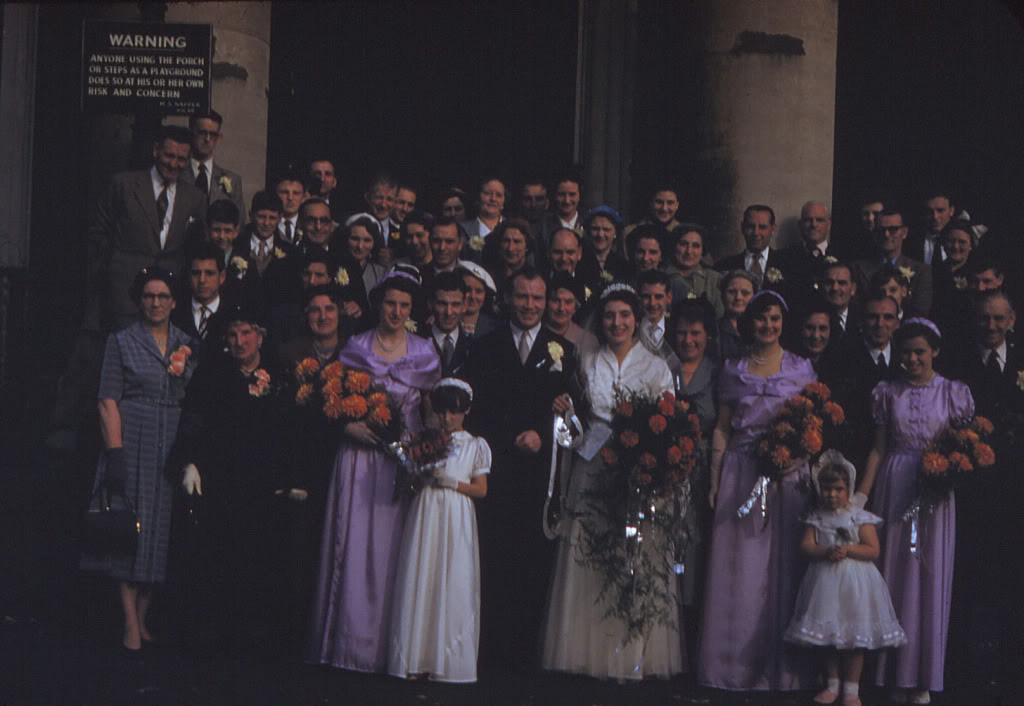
x=216, y=182
x=144, y=219
x=517, y=371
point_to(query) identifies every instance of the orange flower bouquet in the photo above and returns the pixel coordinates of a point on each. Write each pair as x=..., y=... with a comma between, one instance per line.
x=805, y=426
x=635, y=533
x=348, y=395
x=958, y=452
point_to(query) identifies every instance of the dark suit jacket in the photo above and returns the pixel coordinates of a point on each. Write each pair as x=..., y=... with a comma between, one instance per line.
x=459, y=356
x=997, y=396
x=215, y=325
x=224, y=184
x=920, y=303
x=801, y=270
x=124, y=237
x=735, y=262
x=913, y=247
x=851, y=374
x=278, y=283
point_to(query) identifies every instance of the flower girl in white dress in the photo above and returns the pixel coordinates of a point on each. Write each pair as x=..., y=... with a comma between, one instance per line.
x=843, y=604
x=435, y=628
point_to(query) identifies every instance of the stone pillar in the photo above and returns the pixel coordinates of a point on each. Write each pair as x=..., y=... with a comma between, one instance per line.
x=770, y=118
x=604, y=107
x=241, y=78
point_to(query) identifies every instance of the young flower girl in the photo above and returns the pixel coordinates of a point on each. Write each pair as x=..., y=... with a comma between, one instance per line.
x=435, y=628
x=843, y=604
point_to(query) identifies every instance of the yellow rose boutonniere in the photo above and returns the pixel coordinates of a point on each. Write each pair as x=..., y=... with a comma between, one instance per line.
x=225, y=184
x=555, y=351
x=279, y=253
x=241, y=264
x=773, y=274
x=586, y=293
x=960, y=282
x=342, y=277
x=906, y=272
x=410, y=326
x=476, y=243
x=607, y=276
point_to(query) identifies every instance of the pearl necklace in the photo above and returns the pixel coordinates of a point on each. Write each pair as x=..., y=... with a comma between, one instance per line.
x=384, y=347
x=758, y=360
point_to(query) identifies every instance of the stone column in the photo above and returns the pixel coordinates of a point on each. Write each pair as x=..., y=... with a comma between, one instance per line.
x=604, y=108
x=770, y=120
x=241, y=77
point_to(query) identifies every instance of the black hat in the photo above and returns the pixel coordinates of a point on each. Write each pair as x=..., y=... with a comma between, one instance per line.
x=243, y=313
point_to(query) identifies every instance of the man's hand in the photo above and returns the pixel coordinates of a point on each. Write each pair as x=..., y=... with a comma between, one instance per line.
x=351, y=309
x=528, y=441
x=562, y=404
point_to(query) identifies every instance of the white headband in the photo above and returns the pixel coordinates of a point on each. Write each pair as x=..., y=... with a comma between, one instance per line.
x=455, y=382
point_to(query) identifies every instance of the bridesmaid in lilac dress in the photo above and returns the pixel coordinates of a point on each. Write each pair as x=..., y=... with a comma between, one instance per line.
x=755, y=567
x=363, y=525
x=909, y=413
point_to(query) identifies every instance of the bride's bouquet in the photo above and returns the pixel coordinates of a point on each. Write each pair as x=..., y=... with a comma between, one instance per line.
x=346, y=395
x=635, y=532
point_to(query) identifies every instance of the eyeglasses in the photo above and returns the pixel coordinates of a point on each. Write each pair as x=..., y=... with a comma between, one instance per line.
x=207, y=134
x=162, y=297
x=323, y=220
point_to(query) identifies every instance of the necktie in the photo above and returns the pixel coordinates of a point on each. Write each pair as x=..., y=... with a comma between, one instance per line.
x=202, y=181
x=204, y=318
x=993, y=363
x=447, y=350
x=882, y=367
x=524, y=347
x=161, y=206
x=262, y=252
x=655, y=335
x=288, y=231
x=755, y=266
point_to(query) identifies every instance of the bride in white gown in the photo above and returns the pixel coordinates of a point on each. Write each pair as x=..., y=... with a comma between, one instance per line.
x=577, y=637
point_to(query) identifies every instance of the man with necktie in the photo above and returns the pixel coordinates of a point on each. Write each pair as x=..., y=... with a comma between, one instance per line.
x=213, y=180
x=447, y=300
x=759, y=258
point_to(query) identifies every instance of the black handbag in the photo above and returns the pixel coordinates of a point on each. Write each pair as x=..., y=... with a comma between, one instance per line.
x=108, y=530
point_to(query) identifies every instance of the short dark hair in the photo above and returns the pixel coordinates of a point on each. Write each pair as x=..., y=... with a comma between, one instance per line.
x=691, y=311
x=206, y=251
x=289, y=176
x=519, y=224
x=443, y=221
x=528, y=272
x=618, y=295
x=450, y=281
x=372, y=227
x=211, y=114
x=449, y=398
x=572, y=174
x=839, y=265
x=321, y=290
x=418, y=217
x=266, y=201
x=676, y=234
x=315, y=253
x=890, y=211
x=174, y=133
x=649, y=231
x=758, y=305
x=653, y=277
x=312, y=202
x=752, y=208
x=223, y=211
x=878, y=296
x=912, y=330
x=990, y=295
x=402, y=284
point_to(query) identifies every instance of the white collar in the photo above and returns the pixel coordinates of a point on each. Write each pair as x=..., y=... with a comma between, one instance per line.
x=212, y=306
x=875, y=352
x=762, y=256
x=209, y=167
x=571, y=224
x=158, y=182
x=531, y=332
x=254, y=243
x=1000, y=352
x=439, y=334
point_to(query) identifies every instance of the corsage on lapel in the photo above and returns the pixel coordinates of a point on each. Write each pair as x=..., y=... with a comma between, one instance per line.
x=555, y=352
x=225, y=184
x=240, y=264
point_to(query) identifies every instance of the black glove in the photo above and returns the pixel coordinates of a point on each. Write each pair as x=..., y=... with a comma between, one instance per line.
x=117, y=470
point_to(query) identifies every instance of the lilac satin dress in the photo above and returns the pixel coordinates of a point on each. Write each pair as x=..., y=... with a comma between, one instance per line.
x=920, y=583
x=362, y=525
x=755, y=566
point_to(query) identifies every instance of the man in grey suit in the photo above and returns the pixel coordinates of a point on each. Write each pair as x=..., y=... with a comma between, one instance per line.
x=145, y=218
x=890, y=232
x=209, y=177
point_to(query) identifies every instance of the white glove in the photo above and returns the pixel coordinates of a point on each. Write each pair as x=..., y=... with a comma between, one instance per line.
x=191, y=482
x=859, y=500
x=297, y=494
x=446, y=482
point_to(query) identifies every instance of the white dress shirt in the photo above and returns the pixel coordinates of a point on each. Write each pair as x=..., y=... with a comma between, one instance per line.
x=439, y=336
x=158, y=186
x=531, y=334
x=842, y=316
x=655, y=332
x=283, y=229
x=254, y=244
x=930, y=244
x=197, y=310
x=748, y=260
x=884, y=352
x=570, y=224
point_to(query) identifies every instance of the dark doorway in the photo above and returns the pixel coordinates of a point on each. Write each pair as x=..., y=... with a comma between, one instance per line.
x=437, y=93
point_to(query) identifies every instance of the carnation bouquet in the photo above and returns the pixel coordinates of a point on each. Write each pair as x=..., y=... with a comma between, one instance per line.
x=634, y=532
x=347, y=395
x=953, y=456
x=806, y=425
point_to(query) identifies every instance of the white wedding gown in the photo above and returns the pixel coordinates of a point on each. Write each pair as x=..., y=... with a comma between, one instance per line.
x=576, y=636
x=435, y=623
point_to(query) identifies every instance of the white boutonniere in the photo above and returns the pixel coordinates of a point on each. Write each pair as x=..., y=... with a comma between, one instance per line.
x=261, y=386
x=691, y=295
x=831, y=259
x=410, y=326
x=1020, y=379
x=225, y=184
x=476, y=243
x=906, y=272
x=279, y=253
x=342, y=277
x=607, y=276
x=773, y=274
x=240, y=264
x=555, y=352
x=960, y=282
x=586, y=293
